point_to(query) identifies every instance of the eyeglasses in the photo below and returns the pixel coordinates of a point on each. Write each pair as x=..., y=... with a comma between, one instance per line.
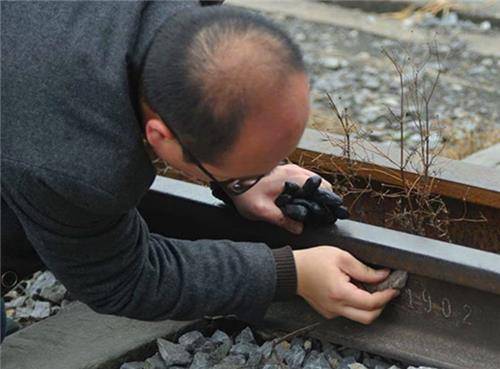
x=233, y=186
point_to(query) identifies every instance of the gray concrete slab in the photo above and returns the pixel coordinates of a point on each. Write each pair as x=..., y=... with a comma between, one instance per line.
x=486, y=45
x=489, y=157
x=475, y=9
x=484, y=8
x=78, y=338
x=445, y=169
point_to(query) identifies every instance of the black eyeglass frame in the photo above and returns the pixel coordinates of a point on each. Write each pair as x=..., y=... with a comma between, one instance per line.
x=223, y=185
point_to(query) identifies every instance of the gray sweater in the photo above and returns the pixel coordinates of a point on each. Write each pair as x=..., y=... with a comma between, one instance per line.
x=74, y=168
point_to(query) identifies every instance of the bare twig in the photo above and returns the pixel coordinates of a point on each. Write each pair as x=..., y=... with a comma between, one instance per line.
x=417, y=209
x=296, y=333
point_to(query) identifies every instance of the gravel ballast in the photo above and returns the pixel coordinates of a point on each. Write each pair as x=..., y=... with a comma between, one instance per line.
x=245, y=350
x=35, y=299
x=348, y=64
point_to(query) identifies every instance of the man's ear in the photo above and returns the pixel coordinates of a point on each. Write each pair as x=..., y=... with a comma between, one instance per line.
x=157, y=132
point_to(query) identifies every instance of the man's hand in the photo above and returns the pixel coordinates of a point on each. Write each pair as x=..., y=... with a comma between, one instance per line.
x=324, y=280
x=258, y=202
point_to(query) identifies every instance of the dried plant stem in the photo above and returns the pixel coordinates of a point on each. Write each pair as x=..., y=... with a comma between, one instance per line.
x=418, y=210
x=296, y=333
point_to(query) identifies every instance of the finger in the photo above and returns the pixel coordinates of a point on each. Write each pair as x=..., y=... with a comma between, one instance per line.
x=277, y=217
x=296, y=212
x=309, y=205
x=311, y=185
x=324, y=311
x=326, y=185
x=317, y=215
x=359, y=315
x=290, y=188
x=327, y=198
x=361, y=272
x=282, y=200
x=361, y=299
x=341, y=213
x=292, y=226
x=297, y=168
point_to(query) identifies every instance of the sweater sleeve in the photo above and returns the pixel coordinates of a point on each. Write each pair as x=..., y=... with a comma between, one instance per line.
x=286, y=274
x=115, y=265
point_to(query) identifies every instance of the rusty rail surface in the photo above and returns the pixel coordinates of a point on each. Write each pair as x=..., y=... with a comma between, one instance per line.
x=470, y=192
x=451, y=178
x=447, y=316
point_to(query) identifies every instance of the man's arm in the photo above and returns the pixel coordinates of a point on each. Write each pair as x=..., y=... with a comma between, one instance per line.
x=324, y=273
x=111, y=261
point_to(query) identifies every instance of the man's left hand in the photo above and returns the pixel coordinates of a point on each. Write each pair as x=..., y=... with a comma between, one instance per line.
x=258, y=202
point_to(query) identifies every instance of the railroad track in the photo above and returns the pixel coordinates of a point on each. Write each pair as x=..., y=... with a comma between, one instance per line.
x=448, y=315
x=467, y=190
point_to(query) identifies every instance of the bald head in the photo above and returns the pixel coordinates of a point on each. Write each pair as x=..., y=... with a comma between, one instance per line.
x=234, y=63
x=206, y=73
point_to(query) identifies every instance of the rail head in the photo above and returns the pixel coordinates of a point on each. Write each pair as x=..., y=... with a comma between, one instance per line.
x=446, y=316
x=451, y=178
x=419, y=255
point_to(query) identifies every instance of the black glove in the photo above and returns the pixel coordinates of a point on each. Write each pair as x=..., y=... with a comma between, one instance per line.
x=310, y=203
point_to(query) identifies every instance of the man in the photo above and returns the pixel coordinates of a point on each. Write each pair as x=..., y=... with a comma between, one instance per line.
x=218, y=93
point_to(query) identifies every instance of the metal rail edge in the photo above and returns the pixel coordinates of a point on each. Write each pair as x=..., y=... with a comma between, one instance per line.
x=447, y=316
x=452, y=178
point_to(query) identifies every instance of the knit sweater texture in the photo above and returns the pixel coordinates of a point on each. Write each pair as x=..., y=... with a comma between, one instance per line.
x=74, y=168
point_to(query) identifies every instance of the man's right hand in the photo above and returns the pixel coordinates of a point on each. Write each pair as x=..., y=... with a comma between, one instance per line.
x=324, y=280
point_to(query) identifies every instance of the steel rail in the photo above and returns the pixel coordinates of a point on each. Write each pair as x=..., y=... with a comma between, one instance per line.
x=447, y=316
x=470, y=197
x=451, y=178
